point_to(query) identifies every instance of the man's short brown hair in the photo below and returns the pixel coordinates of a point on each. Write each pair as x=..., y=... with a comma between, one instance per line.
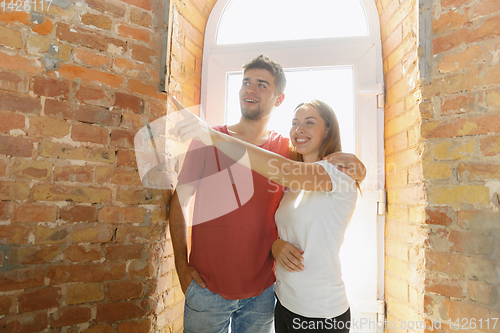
x=273, y=67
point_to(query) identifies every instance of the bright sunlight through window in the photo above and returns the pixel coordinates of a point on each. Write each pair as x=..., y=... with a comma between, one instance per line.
x=254, y=21
x=333, y=86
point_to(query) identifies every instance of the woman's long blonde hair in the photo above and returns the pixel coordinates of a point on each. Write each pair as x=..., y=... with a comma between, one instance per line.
x=331, y=143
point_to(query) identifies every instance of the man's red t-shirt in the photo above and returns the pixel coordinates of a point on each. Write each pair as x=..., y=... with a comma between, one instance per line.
x=232, y=252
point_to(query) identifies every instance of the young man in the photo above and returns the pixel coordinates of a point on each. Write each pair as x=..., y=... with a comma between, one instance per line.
x=230, y=272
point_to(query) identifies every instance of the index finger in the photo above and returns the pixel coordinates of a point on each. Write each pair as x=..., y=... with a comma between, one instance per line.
x=177, y=104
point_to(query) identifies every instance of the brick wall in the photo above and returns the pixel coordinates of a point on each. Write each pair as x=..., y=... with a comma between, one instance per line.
x=461, y=129
x=442, y=138
x=83, y=246
x=405, y=230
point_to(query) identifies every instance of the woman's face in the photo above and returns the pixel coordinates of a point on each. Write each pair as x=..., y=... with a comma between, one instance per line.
x=308, y=132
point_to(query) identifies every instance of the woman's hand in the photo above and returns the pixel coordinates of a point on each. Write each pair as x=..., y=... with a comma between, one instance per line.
x=191, y=127
x=348, y=164
x=288, y=255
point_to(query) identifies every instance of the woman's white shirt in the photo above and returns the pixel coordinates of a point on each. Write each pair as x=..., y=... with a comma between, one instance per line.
x=315, y=222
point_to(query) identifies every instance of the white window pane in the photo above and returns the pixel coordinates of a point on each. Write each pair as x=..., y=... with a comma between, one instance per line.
x=251, y=21
x=333, y=85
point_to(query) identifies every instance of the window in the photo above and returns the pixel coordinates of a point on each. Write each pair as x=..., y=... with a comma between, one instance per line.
x=281, y=20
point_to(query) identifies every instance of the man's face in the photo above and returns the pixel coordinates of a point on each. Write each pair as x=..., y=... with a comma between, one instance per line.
x=258, y=95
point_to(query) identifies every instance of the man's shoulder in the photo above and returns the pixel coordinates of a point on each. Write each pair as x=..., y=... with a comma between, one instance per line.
x=221, y=128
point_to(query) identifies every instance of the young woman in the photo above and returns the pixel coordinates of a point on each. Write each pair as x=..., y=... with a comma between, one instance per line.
x=311, y=219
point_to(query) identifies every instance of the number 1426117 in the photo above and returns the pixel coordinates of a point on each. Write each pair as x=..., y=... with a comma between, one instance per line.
x=25, y=6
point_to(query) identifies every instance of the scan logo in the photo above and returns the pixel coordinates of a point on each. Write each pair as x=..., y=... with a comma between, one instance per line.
x=221, y=184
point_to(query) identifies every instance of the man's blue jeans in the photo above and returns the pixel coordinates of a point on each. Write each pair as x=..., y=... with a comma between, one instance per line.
x=207, y=312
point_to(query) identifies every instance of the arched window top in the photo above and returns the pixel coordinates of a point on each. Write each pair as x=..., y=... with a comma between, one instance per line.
x=257, y=21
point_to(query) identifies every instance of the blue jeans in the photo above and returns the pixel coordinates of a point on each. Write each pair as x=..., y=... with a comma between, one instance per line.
x=207, y=312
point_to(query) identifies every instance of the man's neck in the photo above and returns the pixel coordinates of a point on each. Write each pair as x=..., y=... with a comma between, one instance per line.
x=251, y=131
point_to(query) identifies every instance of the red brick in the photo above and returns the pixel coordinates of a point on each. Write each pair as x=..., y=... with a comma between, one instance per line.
x=87, y=38
x=21, y=103
x=90, y=58
x=124, y=252
x=120, y=176
x=80, y=253
x=71, y=316
x=4, y=210
x=83, y=113
x=134, y=234
x=135, y=327
x=13, y=234
x=14, y=191
x=14, y=82
x=129, y=102
x=44, y=28
x=78, y=213
x=48, y=235
x=141, y=196
x=34, y=255
x=449, y=41
x=89, y=133
x=46, y=298
x=36, y=322
x=144, y=4
x=143, y=88
x=472, y=125
x=470, y=242
x=485, y=8
x=85, y=273
x=139, y=268
x=142, y=53
x=127, y=31
x=121, y=215
x=91, y=234
x=27, y=212
x=15, y=17
x=479, y=171
x=490, y=145
x=5, y=305
x=134, y=121
x=445, y=286
x=104, y=328
x=71, y=193
x=116, y=9
x=457, y=105
x=48, y=127
x=481, y=292
x=464, y=60
x=10, y=121
x=84, y=293
x=72, y=72
x=128, y=68
x=140, y=17
x=449, y=21
x=51, y=88
x=20, y=63
x=464, y=311
x=453, y=3
x=124, y=290
x=73, y=173
x=25, y=278
x=489, y=29
x=126, y=158
x=98, y=21
x=93, y=96
x=56, y=150
x=32, y=169
x=122, y=138
x=118, y=311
